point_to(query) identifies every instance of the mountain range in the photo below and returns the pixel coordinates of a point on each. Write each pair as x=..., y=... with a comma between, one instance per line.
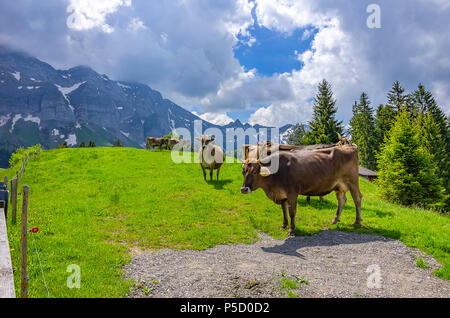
x=42, y=105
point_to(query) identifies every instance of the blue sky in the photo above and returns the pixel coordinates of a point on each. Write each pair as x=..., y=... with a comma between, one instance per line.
x=272, y=52
x=229, y=59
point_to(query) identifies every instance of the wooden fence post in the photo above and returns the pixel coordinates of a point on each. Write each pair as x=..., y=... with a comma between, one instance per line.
x=14, y=184
x=24, y=275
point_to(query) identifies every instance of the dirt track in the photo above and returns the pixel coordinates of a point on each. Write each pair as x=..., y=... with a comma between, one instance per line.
x=335, y=264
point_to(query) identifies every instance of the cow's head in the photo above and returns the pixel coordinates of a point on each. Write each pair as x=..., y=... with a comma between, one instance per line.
x=205, y=140
x=254, y=173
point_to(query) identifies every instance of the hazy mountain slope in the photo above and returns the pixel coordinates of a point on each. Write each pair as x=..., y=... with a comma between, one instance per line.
x=39, y=104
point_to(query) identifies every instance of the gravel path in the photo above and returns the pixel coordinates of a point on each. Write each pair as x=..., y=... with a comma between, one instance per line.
x=334, y=264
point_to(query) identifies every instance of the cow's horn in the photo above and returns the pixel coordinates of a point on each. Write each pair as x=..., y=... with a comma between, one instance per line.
x=265, y=171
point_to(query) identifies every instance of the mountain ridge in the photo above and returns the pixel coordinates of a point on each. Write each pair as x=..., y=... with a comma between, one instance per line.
x=40, y=104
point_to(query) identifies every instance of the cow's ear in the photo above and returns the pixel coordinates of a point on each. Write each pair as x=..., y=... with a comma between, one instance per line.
x=264, y=171
x=212, y=139
x=198, y=138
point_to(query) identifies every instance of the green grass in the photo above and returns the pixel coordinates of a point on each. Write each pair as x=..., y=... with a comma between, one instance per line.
x=94, y=205
x=288, y=285
x=421, y=263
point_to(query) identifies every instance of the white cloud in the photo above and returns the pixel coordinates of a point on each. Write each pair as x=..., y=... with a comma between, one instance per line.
x=88, y=14
x=185, y=49
x=286, y=15
x=136, y=24
x=215, y=118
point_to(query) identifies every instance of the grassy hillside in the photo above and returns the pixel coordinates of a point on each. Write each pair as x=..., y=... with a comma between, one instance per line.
x=95, y=206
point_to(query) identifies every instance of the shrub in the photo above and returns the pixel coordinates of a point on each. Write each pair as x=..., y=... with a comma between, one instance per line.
x=118, y=143
x=21, y=152
x=407, y=174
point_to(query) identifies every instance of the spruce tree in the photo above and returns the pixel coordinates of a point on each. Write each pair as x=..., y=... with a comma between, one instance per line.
x=407, y=173
x=298, y=135
x=397, y=97
x=92, y=144
x=435, y=133
x=363, y=132
x=324, y=127
x=384, y=119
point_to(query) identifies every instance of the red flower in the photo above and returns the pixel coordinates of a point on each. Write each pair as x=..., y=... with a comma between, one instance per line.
x=34, y=230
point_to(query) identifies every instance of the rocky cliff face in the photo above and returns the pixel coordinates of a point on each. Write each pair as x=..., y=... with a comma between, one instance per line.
x=39, y=104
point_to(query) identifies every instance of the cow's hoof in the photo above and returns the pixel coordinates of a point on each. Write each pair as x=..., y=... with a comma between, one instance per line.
x=283, y=227
x=335, y=221
x=357, y=224
x=291, y=233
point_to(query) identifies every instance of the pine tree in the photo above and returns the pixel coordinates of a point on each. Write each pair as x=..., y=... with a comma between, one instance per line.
x=422, y=99
x=407, y=173
x=324, y=127
x=118, y=143
x=384, y=119
x=396, y=97
x=91, y=144
x=82, y=144
x=363, y=132
x=435, y=133
x=298, y=135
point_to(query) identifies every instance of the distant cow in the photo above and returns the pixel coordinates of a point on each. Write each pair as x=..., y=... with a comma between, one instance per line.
x=172, y=143
x=211, y=156
x=310, y=173
x=156, y=142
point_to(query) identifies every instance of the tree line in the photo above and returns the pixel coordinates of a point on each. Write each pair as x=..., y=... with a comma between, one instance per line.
x=407, y=140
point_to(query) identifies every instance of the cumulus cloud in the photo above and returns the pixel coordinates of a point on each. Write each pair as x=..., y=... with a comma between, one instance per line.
x=215, y=118
x=88, y=14
x=185, y=49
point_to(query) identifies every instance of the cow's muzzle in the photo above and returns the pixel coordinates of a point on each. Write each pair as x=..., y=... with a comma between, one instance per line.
x=246, y=190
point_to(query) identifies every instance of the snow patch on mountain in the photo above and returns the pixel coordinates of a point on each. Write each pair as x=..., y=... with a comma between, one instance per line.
x=16, y=75
x=72, y=140
x=4, y=120
x=123, y=86
x=284, y=137
x=30, y=118
x=65, y=91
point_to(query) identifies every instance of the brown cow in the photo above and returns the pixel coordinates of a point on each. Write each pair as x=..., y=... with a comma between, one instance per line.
x=311, y=173
x=264, y=149
x=172, y=143
x=211, y=156
x=156, y=142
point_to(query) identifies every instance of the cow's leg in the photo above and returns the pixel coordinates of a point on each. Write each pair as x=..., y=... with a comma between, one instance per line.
x=218, y=172
x=292, y=212
x=285, y=207
x=357, y=196
x=211, y=171
x=308, y=200
x=321, y=200
x=341, y=197
x=204, y=172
